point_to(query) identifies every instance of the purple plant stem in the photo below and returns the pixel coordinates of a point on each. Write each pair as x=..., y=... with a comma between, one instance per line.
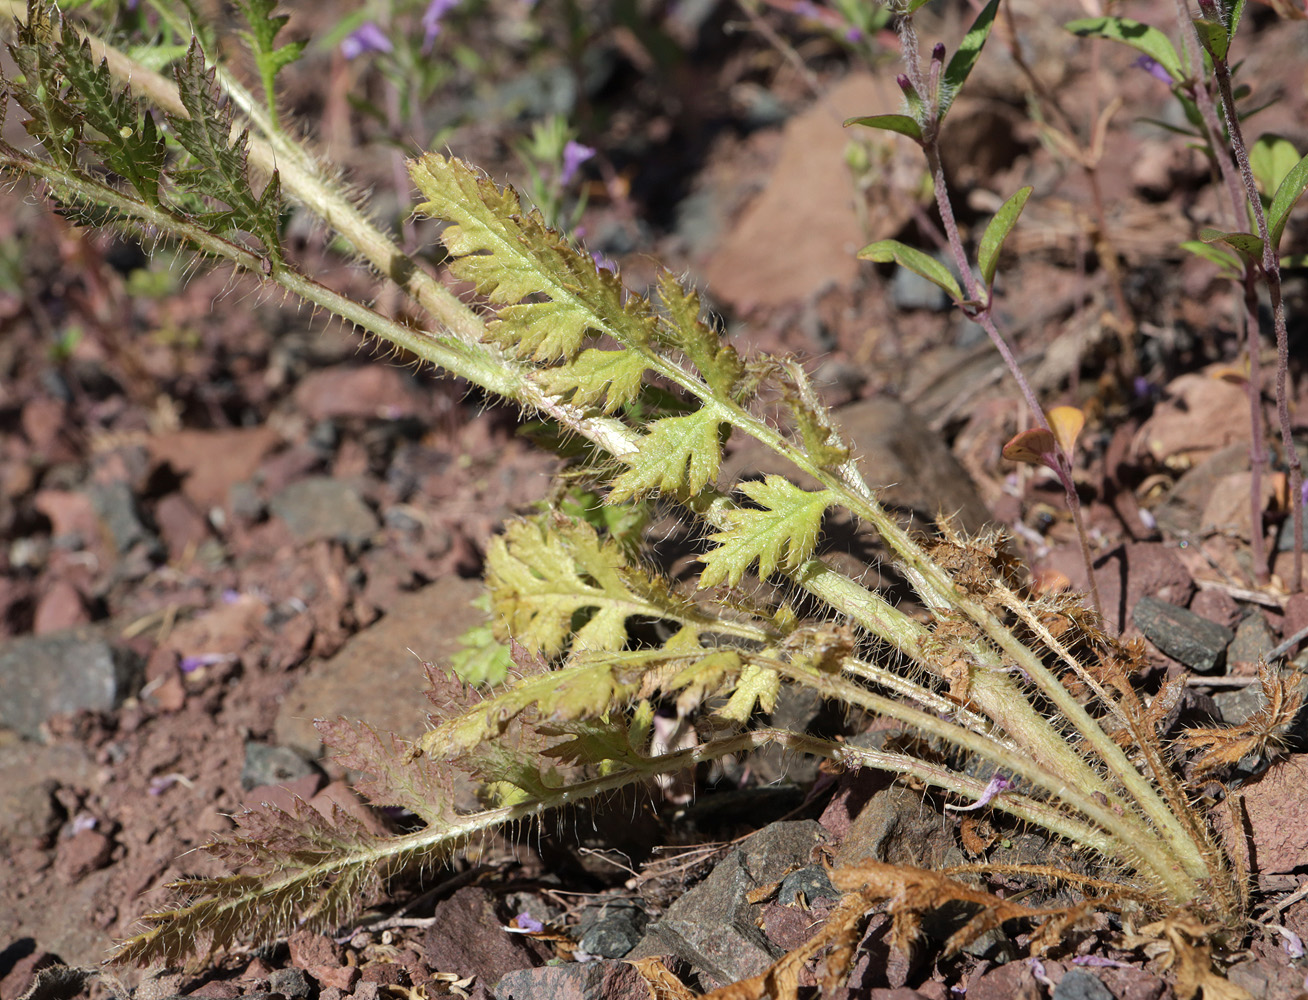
x=1248, y=317
x=1272, y=275
x=981, y=313
x=1257, y=447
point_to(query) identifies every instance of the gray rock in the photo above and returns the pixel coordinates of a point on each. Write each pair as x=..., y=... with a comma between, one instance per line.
x=895, y=826
x=713, y=927
x=909, y=290
x=1253, y=640
x=59, y=672
x=29, y=776
x=612, y=930
x=806, y=885
x=1180, y=633
x=116, y=508
x=290, y=982
x=321, y=508
x=1081, y=985
x=574, y=981
x=272, y=765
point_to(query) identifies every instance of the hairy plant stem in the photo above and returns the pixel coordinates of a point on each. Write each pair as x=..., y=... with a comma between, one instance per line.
x=1246, y=317
x=1271, y=267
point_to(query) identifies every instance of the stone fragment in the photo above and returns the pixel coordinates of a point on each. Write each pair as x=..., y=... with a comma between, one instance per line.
x=83, y=853
x=1079, y=984
x=372, y=391
x=898, y=827
x=290, y=982
x=211, y=461
x=603, y=980
x=1146, y=568
x=612, y=930
x=378, y=675
x=58, y=608
x=713, y=927
x=466, y=937
x=115, y=505
x=1253, y=641
x=58, y=673
x=324, y=509
x=1181, y=634
x=273, y=765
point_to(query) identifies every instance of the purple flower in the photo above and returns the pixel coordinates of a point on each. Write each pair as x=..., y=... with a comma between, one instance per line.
x=997, y=784
x=367, y=37
x=528, y=923
x=604, y=262
x=574, y=155
x=1154, y=68
x=431, y=21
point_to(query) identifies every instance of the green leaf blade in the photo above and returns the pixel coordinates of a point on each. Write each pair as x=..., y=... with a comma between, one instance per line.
x=902, y=124
x=992, y=240
x=1141, y=37
x=1287, y=195
x=894, y=252
x=969, y=50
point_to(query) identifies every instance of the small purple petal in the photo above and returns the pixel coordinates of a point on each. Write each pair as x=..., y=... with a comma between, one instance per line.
x=1099, y=962
x=1292, y=943
x=604, y=263
x=431, y=21
x=193, y=663
x=367, y=37
x=574, y=155
x=994, y=787
x=527, y=922
x=162, y=783
x=1154, y=68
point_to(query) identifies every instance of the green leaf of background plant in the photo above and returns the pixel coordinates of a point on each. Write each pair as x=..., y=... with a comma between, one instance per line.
x=902, y=124
x=782, y=535
x=969, y=50
x=1247, y=245
x=1271, y=158
x=1225, y=259
x=1213, y=36
x=992, y=240
x=1294, y=261
x=679, y=456
x=1288, y=193
x=1141, y=37
x=269, y=57
x=894, y=252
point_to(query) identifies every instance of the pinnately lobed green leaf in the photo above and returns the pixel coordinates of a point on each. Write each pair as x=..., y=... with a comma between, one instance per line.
x=510, y=256
x=270, y=57
x=782, y=535
x=679, y=456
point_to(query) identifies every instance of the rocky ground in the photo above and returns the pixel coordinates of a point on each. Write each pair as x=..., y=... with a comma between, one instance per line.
x=223, y=519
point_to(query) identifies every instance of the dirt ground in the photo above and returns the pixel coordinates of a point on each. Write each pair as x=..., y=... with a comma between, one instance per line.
x=224, y=517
